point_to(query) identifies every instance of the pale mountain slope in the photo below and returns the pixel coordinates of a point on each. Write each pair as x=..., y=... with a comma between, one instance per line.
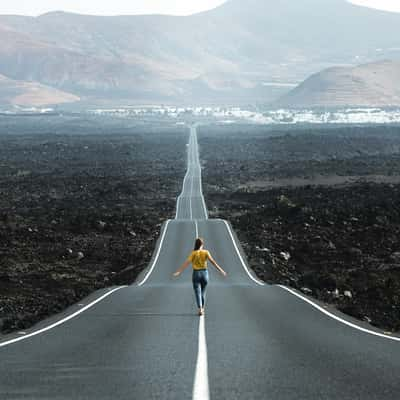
x=31, y=94
x=375, y=84
x=226, y=53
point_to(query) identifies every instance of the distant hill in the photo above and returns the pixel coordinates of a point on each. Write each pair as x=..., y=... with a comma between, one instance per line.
x=225, y=54
x=28, y=94
x=374, y=84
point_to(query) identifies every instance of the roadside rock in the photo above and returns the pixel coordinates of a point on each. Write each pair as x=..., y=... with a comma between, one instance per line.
x=395, y=257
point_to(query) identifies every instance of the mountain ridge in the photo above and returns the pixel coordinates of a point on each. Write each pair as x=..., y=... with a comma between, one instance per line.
x=231, y=49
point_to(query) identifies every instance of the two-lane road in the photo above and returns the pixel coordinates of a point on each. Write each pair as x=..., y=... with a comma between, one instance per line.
x=146, y=341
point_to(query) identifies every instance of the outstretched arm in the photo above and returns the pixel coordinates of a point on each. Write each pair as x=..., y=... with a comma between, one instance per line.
x=181, y=268
x=213, y=262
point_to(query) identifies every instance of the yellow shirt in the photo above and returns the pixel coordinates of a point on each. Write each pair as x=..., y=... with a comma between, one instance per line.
x=199, y=258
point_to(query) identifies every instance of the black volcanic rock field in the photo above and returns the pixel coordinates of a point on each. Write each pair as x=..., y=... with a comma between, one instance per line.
x=315, y=208
x=81, y=208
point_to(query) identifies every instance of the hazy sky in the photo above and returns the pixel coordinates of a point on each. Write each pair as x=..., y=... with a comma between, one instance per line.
x=107, y=7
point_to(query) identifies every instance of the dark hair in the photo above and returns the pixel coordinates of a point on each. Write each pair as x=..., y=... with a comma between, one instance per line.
x=198, y=243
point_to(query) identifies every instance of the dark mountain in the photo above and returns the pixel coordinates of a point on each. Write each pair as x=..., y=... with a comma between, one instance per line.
x=375, y=84
x=225, y=54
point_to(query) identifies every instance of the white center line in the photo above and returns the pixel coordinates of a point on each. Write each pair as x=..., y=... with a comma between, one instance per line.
x=201, y=389
x=191, y=167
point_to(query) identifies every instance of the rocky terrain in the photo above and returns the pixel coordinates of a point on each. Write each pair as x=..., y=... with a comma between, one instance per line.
x=237, y=53
x=376, y=84
x=81, y=208
x=315, y=209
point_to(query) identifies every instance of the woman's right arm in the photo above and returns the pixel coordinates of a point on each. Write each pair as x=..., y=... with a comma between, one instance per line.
x=182, y=267
x=216, y=265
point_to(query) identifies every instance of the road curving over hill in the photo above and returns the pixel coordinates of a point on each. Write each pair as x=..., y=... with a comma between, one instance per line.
x=145, y=341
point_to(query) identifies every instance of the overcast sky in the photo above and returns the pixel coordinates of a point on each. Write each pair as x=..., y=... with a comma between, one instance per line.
x=107, y=7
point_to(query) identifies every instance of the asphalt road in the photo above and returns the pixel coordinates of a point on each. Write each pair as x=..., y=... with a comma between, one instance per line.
x=146, y=341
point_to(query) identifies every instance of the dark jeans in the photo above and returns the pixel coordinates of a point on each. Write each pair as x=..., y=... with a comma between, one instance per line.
x=200, y=280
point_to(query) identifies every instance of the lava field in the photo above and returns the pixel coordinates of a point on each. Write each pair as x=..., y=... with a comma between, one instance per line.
x=315, y=209
x=81, y=206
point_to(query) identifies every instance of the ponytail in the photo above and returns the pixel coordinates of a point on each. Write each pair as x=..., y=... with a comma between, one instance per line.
x=198, y=243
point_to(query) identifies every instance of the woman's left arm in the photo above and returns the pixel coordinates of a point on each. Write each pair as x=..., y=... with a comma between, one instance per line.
x=182, y=267
x=216, y=265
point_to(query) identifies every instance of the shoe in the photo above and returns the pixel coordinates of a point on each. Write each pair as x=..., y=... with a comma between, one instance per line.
x=201, y=312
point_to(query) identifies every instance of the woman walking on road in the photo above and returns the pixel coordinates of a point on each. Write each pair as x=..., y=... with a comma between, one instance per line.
x=198, y=258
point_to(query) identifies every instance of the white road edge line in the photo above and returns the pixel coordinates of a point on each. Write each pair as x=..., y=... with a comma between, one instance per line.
x=178, y=200
x=202, y=198
x=200, y=177
x=157, y=255
x=177, y=207
x=183, y=185
x=343, y=321
x=197, y=229
x=62, y=321
x=201, y=389
x=190, y=198
x=180, y=196
x=240, y=256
